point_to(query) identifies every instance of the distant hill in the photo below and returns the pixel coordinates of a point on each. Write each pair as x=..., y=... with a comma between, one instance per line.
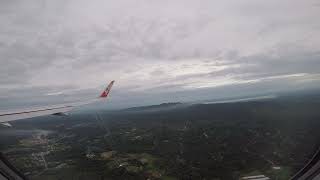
x=154, y=107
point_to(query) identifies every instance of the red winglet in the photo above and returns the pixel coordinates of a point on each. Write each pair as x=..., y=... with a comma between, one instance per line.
x=105, y=93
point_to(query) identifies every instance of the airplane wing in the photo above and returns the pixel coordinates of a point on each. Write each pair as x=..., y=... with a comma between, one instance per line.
x=60, y=109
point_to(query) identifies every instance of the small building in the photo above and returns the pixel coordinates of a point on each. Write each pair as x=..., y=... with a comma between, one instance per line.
x=276, y=167
x=90, y=155
x=256, y=177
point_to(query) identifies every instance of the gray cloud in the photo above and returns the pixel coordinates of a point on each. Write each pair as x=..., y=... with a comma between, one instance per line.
x=156, y=47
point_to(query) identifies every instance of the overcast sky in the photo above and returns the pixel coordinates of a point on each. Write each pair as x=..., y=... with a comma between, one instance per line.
x=156, y=50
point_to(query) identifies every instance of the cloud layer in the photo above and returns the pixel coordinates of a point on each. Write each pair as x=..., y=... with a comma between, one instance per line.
x=156, y=49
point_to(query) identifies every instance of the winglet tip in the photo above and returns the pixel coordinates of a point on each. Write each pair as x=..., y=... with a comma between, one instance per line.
x=105, y=93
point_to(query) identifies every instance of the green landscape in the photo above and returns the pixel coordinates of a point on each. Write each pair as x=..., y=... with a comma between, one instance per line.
x=222, y=141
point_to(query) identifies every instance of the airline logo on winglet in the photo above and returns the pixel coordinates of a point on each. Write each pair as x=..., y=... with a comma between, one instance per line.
x=105, y=93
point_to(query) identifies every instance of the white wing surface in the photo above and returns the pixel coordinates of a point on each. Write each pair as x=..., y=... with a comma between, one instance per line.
x=6, y=116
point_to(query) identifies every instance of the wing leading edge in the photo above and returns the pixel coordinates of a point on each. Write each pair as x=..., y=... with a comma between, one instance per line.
x=49, y=110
